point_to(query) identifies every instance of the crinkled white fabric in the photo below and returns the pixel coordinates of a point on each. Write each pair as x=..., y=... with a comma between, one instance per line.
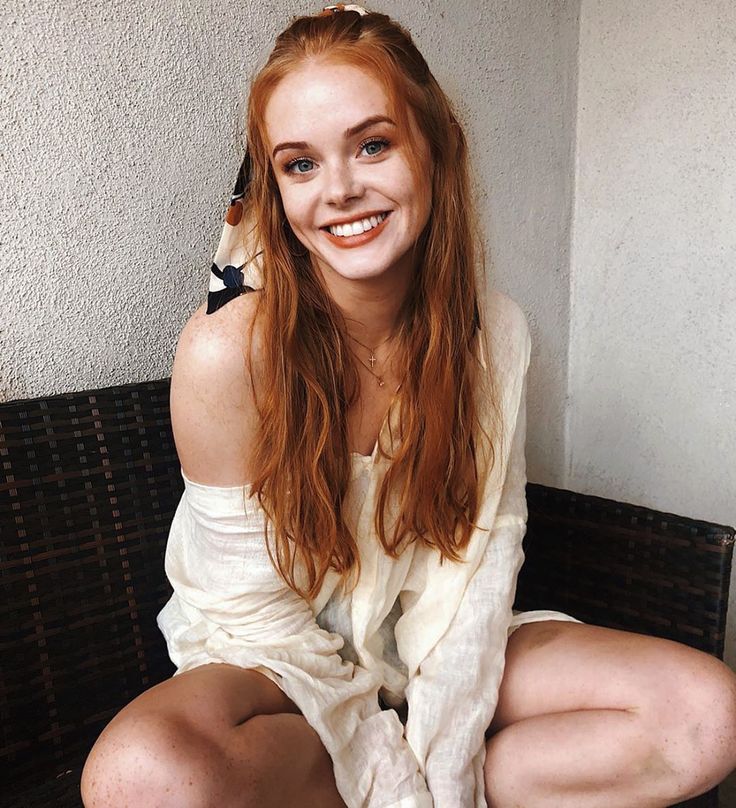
x=445, y=655
x=229, y=605
x=447, y=734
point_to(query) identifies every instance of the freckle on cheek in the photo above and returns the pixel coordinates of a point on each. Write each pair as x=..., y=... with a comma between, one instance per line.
x=695, y=733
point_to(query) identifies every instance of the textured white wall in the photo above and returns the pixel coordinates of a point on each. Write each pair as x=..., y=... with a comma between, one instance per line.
x=652, y=382
x=123, y=140
x=121, y=132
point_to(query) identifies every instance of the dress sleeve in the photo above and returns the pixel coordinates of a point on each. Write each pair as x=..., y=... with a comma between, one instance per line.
x=453, y=696
x=230, y=605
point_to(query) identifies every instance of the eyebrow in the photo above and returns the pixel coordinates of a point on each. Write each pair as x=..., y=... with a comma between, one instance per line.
x=351, y=132
x=374, y=119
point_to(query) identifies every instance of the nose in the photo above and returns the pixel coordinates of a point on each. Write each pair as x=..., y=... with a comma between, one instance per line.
x=342, y=184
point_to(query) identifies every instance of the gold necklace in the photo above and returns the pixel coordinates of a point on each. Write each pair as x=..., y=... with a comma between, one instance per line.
x=378, y=378
x=373, y=359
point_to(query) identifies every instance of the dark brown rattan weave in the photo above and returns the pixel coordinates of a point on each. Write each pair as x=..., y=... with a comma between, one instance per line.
x=89, y=485
x=627, y=567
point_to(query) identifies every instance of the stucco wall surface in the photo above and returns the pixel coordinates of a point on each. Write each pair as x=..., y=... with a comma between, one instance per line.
x=652, y=382
x=123, y=133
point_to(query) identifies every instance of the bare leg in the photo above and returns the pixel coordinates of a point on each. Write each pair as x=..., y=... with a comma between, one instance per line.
x=214, y=737
x=583, y=759
x=592, y=717
x=294, y=767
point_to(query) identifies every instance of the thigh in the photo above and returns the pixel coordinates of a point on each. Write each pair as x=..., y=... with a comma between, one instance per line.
x=556, y=666
x=211, y=697
x=183, y=739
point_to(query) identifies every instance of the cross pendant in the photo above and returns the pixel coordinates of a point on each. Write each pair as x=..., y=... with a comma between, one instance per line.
x=372, y=360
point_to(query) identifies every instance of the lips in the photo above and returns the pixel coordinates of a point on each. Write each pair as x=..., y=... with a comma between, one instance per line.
x=357, y=226
x=347, y=242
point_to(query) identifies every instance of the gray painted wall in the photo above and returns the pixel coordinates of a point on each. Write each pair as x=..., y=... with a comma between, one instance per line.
x=652, y=382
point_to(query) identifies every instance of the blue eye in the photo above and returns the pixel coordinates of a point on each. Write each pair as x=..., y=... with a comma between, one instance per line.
x=376, y=141
x=290, y=167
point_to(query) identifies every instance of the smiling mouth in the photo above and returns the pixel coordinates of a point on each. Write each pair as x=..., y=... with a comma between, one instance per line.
x=353, y=236
x=358, y=227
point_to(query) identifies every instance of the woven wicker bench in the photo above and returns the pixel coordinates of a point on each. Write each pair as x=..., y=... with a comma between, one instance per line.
x=89, y=485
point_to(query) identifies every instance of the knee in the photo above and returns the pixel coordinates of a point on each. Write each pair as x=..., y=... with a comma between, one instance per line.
x=713, y=728
x=696, y=717
x=153, y=760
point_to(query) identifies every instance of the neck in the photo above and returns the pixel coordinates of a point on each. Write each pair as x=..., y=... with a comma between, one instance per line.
x=371, y=306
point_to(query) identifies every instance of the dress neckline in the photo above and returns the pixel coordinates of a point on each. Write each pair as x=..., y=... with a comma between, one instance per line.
x=357, y=457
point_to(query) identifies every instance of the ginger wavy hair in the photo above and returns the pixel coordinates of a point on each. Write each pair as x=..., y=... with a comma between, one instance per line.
x=308, y=378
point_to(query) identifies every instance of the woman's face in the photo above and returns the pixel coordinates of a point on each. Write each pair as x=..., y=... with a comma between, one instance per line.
x=345, y=182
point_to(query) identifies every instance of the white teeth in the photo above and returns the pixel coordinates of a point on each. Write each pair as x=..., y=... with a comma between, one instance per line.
x=357, y=227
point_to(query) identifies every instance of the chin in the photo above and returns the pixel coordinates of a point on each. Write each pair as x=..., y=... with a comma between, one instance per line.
x=364, y=272
x=366, y=266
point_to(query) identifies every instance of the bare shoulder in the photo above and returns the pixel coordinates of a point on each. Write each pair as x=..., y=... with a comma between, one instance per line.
x=213, y=408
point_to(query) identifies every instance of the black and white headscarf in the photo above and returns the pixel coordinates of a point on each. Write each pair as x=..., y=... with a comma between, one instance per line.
x=232, y=273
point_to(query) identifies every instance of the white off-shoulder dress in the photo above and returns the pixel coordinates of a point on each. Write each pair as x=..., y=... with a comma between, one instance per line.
x=429, y=640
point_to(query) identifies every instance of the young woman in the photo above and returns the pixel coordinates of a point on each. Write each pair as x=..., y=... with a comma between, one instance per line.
x=349, y=412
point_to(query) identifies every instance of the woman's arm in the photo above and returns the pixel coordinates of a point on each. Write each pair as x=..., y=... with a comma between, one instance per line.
x=230, y=605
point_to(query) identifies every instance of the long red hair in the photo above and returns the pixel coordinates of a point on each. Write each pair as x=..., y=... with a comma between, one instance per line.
x=308, y=374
